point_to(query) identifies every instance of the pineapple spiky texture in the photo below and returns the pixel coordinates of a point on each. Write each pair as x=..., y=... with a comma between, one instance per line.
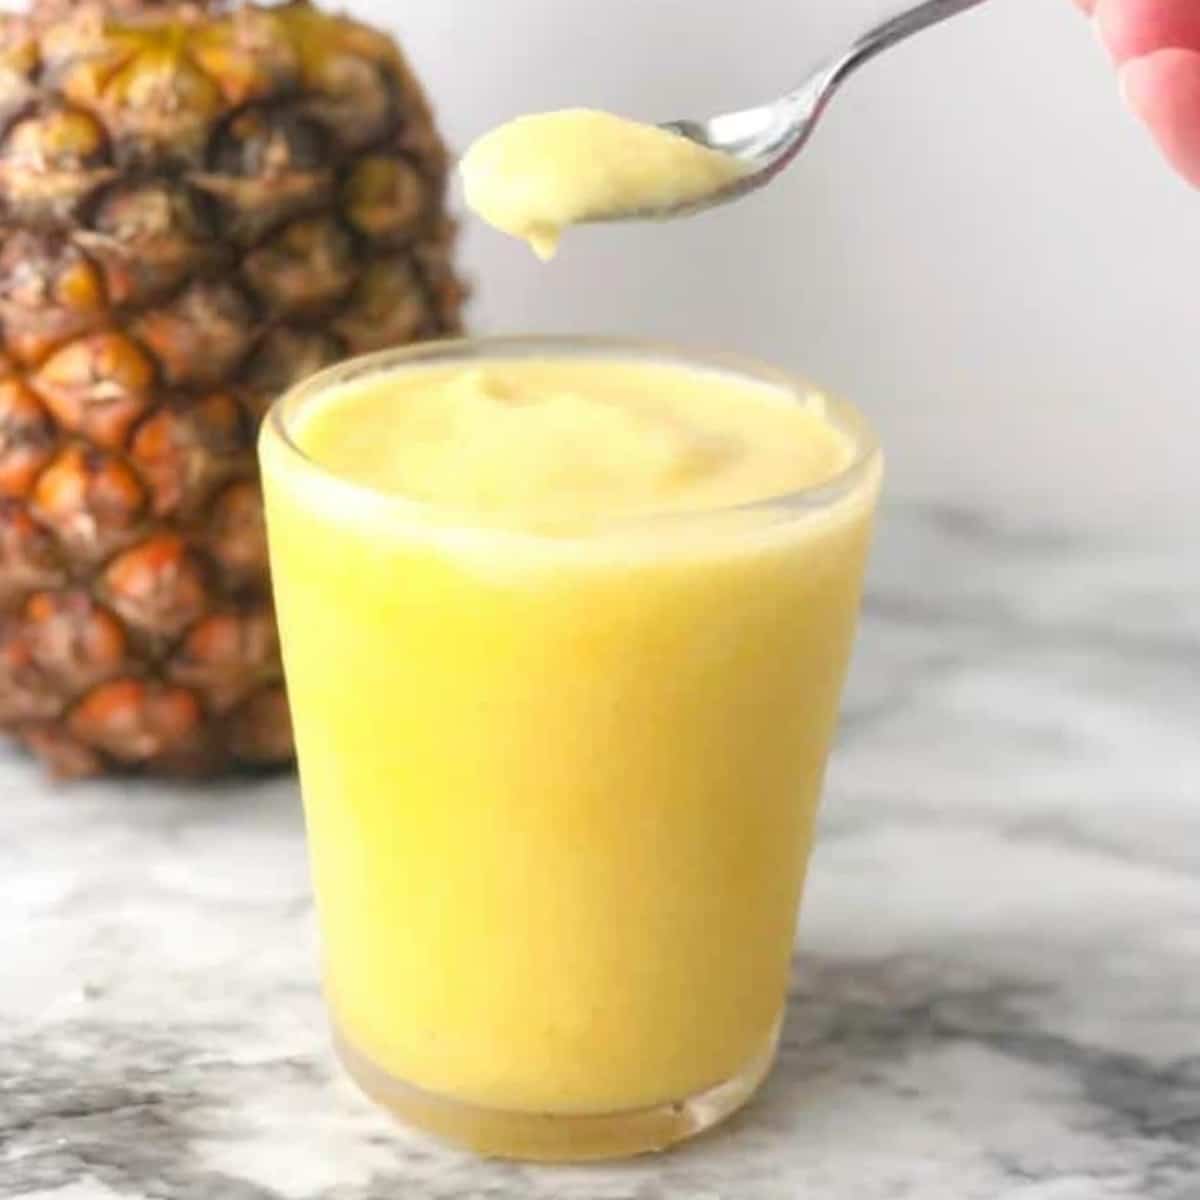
x=200, y=204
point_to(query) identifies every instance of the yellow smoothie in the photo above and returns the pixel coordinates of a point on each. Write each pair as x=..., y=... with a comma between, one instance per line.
x=539, y=174
x=564, y=652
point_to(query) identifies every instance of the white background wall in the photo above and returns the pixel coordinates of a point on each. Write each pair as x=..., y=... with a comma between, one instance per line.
x=980, y=247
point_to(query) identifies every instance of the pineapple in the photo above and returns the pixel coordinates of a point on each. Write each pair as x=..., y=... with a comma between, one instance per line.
x=200, y=204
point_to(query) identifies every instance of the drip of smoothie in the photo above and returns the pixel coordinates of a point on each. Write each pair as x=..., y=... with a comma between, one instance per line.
x=539, y=174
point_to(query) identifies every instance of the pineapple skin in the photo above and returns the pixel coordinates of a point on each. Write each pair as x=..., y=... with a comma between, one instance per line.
x=199, y=206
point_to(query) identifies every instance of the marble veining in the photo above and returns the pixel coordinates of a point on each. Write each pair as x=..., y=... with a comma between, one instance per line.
x=996, y=992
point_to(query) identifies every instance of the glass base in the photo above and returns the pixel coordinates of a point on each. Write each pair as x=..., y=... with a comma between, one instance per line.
x=544, y=1137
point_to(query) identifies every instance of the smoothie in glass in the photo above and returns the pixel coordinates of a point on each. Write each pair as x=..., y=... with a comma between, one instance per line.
x=565, y=625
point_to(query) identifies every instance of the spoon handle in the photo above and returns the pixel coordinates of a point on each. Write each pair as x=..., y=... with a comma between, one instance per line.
x=816, y=93
x=799, y=111
x=895, y=29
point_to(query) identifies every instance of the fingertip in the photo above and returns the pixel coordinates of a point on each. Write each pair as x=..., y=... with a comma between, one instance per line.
x=1163, y=89
x=1134, y=28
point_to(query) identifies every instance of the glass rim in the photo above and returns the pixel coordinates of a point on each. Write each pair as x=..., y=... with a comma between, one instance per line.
x=844, y=415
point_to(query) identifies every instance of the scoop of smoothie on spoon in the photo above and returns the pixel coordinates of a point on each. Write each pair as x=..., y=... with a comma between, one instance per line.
x=539, y=174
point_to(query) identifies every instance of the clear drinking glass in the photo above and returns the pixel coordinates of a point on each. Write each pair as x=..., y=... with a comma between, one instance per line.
x=560, y=790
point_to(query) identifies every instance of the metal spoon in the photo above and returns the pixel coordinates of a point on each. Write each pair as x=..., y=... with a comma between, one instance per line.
x=766, y=139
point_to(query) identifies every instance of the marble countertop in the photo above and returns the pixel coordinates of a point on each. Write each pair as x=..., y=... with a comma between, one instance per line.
x=997, y=990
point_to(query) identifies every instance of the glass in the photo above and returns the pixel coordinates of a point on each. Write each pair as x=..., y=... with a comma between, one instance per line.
x=560, y=790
